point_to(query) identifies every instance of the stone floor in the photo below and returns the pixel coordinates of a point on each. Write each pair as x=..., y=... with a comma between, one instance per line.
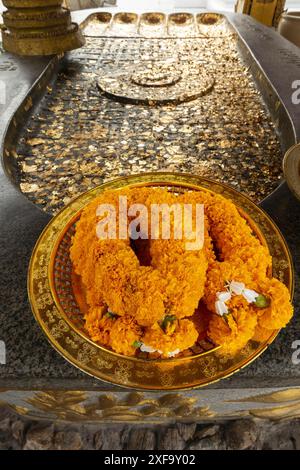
x=19, y=433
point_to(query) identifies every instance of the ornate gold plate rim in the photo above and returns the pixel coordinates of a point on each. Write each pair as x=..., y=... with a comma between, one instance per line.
x=291, y=169
x=186, y=373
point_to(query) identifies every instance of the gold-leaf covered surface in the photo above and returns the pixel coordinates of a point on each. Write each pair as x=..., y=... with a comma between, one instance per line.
x=80, y=138
x=157, y=83
x=171, y=374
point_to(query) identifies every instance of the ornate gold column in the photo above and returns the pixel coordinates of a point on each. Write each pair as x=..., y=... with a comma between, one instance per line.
x=267, y=12
x=39, y=27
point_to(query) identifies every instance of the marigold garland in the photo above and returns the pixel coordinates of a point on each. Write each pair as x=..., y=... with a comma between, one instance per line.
x=135, y=306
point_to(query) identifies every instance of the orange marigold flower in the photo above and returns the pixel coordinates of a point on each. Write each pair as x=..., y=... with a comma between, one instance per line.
x=184, y=337
x=280, y=310
x=124, y=333
x=234, y=332
x=98, y=325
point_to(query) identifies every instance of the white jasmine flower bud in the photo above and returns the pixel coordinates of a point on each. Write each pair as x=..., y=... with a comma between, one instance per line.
x=236, y=287
x=250, y=295
x=221, y=308
x=224, y=296
x=147, y=349
x=173, y=353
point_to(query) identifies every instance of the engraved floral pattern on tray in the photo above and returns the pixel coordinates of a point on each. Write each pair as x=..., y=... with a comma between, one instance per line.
x=171, y=374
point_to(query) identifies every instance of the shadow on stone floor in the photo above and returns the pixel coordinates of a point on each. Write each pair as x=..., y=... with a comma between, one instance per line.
x=21, y=433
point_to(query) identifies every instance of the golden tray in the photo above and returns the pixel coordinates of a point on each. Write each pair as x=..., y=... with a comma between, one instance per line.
x=54, y=304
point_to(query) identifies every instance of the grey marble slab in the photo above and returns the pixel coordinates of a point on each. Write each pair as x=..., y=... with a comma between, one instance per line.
x=31, y=362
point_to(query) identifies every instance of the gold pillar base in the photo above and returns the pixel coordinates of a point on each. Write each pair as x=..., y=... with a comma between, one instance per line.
x=22, y=18
x=33, y=28
x=31, y=3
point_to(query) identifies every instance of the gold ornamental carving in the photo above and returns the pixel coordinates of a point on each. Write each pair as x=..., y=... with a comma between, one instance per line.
x=35, y=27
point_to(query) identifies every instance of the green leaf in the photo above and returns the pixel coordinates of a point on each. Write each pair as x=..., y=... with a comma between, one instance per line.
x=136, y=344
x=111, y=315
x=168, y=319
x=262, y=301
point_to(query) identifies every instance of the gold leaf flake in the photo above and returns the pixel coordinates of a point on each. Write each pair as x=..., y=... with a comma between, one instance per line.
x=35, y=141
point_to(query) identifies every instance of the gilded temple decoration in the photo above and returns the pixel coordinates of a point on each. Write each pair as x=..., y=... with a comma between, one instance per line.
x=36, y=27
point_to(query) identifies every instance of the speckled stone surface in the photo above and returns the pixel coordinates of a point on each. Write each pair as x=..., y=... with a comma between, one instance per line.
x=18, y=433
x=31, y=361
